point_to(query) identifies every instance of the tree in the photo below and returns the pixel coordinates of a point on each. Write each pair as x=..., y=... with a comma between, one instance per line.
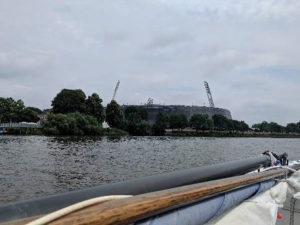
x=95, y=108
x=244, y=126
x=143, y=113
x=269, y=127
x=140, y=112
x=178, y=121
x=275, y=127
x=136, y=119
x=34, y=109
x=161, y=123
x=239, y=125
x=10, y=110
x=15, y=111
x=221, y=122
x=298, y=125
x=68, y=101
x=29, y=115
x=138, y=127
x=292, y=128
x=201, y=122
x=143, y=128
x=264, y=126
x=114, y=115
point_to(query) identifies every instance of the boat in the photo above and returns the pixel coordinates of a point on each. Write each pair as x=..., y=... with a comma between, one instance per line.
x=252, y=188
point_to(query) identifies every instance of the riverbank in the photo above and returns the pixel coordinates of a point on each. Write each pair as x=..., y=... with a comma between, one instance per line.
x=35, y=131
x=169, y=132
x=193, y=133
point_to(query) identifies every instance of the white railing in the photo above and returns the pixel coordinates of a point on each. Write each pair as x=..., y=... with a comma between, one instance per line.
x=20, y=125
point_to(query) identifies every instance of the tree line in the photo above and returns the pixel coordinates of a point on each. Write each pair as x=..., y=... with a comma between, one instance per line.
x=199, y=122
x=274, y=127
x=15, y=111
x=74, y=113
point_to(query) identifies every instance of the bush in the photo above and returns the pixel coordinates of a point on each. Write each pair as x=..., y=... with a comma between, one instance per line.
x=72, y=124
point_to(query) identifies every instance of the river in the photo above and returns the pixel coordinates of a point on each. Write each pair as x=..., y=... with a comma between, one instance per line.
x=32, y=166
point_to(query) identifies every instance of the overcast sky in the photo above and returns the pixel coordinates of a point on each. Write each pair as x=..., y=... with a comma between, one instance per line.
x=248, y=51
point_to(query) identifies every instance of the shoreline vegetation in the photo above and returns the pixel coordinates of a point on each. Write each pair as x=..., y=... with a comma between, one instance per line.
x=75, y=114
x=175, y=133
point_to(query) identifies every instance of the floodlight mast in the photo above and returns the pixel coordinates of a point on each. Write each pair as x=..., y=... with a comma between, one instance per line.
x=116, y=89
x=209, y=96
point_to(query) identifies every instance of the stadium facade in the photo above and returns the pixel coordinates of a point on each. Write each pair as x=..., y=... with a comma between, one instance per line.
x=189, y=111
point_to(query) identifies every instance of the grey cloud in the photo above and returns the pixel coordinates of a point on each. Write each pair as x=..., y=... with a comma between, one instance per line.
x=16, y=64
x=168, y=39
x=157, y=49
x=253, y=10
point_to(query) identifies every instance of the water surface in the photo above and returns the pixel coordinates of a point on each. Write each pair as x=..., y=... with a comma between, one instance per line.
x=32, y=166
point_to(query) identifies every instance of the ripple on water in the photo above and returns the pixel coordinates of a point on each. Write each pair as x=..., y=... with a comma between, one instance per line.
x=33, y=166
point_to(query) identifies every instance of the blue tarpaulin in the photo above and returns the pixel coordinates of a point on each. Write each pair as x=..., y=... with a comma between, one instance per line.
x=202, y=212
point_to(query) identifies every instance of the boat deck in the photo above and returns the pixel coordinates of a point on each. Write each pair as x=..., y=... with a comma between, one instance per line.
x=286, y=214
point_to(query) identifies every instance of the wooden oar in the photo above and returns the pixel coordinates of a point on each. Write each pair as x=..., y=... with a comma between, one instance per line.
x=126, y=211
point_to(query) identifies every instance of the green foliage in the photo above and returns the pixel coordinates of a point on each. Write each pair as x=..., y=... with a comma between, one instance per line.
x=239, y=125
x=161, y=123
x=95, y=108
x=10, y=110
x=262, y=127
x=201, y=122
x=293, y=128
x=244, y=126
x=15, y=111
x=178, y=121
x=29, y=115
x=114, y=115
x=138, y=127
x=68, y=101
x=140, y=112
x=269, y=127
x=221, y=122
x=275, y=127
x=34, y=109
x=136, y=123
x=72, y=124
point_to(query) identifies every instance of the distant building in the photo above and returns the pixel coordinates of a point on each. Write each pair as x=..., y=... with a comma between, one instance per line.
x=44, y=115
x=189, y=111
